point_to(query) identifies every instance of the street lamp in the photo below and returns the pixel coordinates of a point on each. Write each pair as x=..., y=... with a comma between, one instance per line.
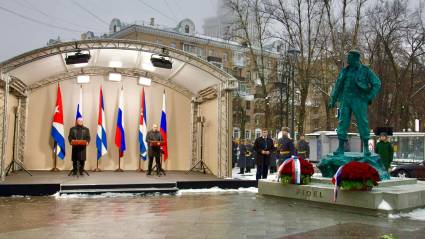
x=293, y=52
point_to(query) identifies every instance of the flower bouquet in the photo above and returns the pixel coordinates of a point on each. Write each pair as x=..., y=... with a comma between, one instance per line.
x=295, y=170
x=356, y=176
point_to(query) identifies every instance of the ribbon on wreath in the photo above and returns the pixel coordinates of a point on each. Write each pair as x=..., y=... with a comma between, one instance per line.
x=296, y=168
x=337, y=180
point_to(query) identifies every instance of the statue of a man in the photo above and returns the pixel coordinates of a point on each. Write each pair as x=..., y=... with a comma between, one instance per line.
x=355, y=88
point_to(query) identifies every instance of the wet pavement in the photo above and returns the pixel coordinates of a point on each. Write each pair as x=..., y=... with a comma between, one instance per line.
x=192, y=215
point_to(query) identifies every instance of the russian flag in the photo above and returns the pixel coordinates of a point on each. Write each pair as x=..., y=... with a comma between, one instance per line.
x=57, y=126
x=101, y=141
x=163, y=129
x=142, y=127
x=80, y=105
x=119, y=131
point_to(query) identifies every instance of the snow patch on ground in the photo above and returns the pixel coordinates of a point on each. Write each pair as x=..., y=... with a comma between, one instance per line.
x=217, y=190
x=417, y=214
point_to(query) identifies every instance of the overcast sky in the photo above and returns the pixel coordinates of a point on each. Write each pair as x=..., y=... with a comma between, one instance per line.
x=69, y=18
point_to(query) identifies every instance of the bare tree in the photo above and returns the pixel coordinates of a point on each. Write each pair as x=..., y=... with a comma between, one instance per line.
x=251, y=27
x=302, y=23
x=398, y=35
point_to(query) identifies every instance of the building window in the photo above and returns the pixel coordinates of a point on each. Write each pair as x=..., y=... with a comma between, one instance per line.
x=257, y=133
x=115, y=28
x=247, y=134
x=236, y=133
x=186, y=29
x=225, y=57
x=194, y=50
x=173, y=45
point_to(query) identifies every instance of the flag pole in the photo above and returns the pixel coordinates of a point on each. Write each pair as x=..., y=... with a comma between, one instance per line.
x=55, y=169
x=97, y=169
x=119, y=169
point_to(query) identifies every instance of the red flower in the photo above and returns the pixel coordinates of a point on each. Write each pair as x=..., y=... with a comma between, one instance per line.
x=306, y=168
x=358, y=171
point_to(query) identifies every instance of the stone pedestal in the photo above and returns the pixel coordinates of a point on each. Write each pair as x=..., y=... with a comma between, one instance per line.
x=395, y=194
x=330, y=164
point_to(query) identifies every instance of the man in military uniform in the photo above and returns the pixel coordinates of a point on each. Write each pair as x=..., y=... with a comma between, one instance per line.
x=242, y=159
x=79, y=132
x=354, y=89
x=263, y=147
x=285, y=146
x=303, y=148
x=153, y=138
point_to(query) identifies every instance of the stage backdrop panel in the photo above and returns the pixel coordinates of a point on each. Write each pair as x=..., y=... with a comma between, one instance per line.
x=38, y=151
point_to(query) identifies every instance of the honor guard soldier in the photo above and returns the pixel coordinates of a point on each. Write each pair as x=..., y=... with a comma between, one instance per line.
x=303, y=148
x=154, y=140
x=285, y=146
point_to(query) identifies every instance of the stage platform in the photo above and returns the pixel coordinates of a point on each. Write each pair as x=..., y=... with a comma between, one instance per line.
x=49, y=183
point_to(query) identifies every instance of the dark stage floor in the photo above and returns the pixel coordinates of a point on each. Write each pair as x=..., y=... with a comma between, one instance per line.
x=49, y=183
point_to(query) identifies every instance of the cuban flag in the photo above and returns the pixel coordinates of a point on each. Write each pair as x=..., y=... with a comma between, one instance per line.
x=101, y=141
x=142, y=127
x=57, y=127
x=163, y=129
x=119, y=131
x=80, y=105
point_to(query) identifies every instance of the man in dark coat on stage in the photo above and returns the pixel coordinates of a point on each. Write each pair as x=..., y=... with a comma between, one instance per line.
x=264, y=147
x=154, y=150
x=285, y=146
x=79, y=132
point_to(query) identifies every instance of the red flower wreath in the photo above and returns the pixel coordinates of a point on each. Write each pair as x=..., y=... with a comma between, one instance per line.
x=306, y=168
x=358, y=171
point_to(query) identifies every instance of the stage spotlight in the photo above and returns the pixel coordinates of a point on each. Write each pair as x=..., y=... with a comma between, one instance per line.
x=161, y=61
x=145, y=81
x=114, y=76
x=77, y=58
x=83, y=79
x=115, y=64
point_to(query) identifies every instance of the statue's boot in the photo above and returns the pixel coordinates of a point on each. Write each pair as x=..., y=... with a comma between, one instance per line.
x=341, y=146
x=366, y=150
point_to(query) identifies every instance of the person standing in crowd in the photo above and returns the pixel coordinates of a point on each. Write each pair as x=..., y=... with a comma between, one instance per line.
x=79, y=132
x=242, y=157
x=385, y=150
x=285, y=146
x=263, y=147
x=249, y=157
x=303, y=148
x=234, y=153
x=154, y=140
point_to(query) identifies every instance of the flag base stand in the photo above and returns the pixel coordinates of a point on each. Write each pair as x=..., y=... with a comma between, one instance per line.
x=119, y=169
x=97, y=169
x=140, y=169
x=55, y=170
